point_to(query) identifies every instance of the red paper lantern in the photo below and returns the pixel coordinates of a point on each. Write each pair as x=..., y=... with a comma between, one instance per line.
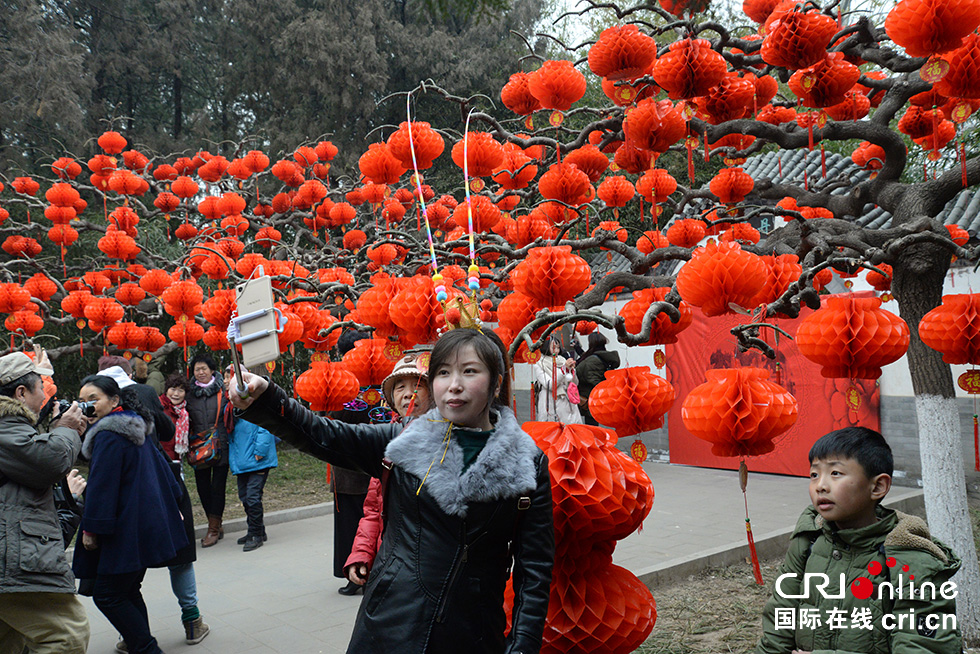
x=783, y=270
x=589, y=159
x=374, y=304
x=426, y=142
x=27, y=322
x=327, y=386
x=102, y=312
x=879, y=282
x=13, y=297
x=731, y=99
x=182, y=299
x=720, y=274
x=739, y=411
x=796, y=39
x=186, y=333
x=517, y=97
x=154, y=339
x=962, y=80
x=112, y=142
x=731, y=185
x=631, y=400
x=928, y=27
x=741, y=232
x=651, y=240
x=41, y=287
x=557, y=85
x=855, y=106
x=686, y=232
x=824, y=83
x=552, y=275
x=565, y=183
x=369, y=362
x=378, y=165
x=759, y=10
x=689, y=69
x=953, y=329
x=654, y=125
x=632, y=159
x=616, y=191
x=126, y=336
x=485, y=214
x=75, y=302
x=622, y=52
x=130, y=294
x=483, y=154
x=852, y=337
x=662, y=330
x=515, y=171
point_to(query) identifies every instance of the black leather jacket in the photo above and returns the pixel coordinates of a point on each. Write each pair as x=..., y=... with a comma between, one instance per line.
x=438, y=581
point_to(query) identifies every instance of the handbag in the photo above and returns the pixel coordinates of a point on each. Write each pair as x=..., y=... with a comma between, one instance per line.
x=203, y=450
x=573, y=394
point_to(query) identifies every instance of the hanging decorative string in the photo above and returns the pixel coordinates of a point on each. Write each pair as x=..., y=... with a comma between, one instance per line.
x=437, y=279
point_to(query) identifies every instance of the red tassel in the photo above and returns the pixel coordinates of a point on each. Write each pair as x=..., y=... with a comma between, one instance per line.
x=963, y=162
x=329, y=474
x=756, y=570
x=690, y=162
x=533, y=408
x=823, y=162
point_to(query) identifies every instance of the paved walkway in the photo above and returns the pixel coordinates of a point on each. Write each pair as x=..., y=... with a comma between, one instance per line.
x=283, y=597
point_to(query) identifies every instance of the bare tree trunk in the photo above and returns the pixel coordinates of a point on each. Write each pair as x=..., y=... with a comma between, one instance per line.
x=918, y=288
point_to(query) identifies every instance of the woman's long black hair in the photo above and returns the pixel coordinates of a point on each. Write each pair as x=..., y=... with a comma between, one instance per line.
x=127, y=396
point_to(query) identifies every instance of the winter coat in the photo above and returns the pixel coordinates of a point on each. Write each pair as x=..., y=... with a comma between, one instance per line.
x=31, y=545
x=248, y=441
x=130, y=502
x=449, y=537
x=552, y=400
x=162, y=425
x=592, y=369
x=204, y=406
x=818, y=547
x=367, y=542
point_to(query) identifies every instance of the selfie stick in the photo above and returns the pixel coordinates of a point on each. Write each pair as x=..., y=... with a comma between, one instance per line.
x=258, y=330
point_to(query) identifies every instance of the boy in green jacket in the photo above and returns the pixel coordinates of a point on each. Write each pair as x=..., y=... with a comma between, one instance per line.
x=885, y=581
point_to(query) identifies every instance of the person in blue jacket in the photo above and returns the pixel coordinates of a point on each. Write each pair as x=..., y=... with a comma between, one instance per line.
x=252, y=454
x=131, y=519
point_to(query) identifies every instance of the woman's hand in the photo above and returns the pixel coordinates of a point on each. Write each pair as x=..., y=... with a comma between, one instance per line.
x=357, y=573
x=89, y=541
x=76, y=482
x=255, y=384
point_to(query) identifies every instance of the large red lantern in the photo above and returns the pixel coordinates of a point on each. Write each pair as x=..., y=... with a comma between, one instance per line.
x=622, y=52
x=369, y=361
x=739, y=411
x=517, y=97
x=796, y=39
x=483, y=154
x=183, y=299
x=824, y=83
x=720, y=274
x=327, y=386
x=557, y=84
x=928, y=27
x=962, y=80
x=689, y=69
x=552, y=275
x=662, y=330
x=783, y=271
x=425, y=141
x=590, y=160
x=654, y=125
x=565, y=183
x=631, y=400
x=731, y=185
x=686, y=232
x=852, y=337
x=13, y=297
x=953, y=328
x=379, y=165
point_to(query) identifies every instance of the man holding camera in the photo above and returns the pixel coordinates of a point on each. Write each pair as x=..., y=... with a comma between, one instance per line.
x=38, y=606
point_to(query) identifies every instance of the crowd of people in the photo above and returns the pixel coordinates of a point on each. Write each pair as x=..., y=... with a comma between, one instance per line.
x=458, y=502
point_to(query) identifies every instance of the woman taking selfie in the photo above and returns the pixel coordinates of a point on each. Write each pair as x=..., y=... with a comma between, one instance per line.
x=466, y=491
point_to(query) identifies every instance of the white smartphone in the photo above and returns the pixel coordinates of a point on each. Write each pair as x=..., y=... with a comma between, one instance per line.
x=255, y=297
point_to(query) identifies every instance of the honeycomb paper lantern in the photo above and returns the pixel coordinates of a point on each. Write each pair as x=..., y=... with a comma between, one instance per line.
x=557, y=85
x=483, y=154
x=631, y=400
x=731, y=99
x=14, y=297
x=962, y=80
x=517, y=97
x=928, y=27
x=426, y=142
x=41, y=287
x=720, y=274
x=662, y=330
x=689, y=69
x=378, y=165
x=552, y=275
x=654, y=125
x=327, y=386
x=590, y=160
x=516, y=310
x=564, y=182
x=102, y=312
x=759, y=10
x=515, y=170
x=882, y=283
x=953, y=328
x=796, y=39
x=126, y=336
x=368, y=361
x=616, y=191
x=622, y=52
x=824, y=83
x=599, y=497
x=739, y=411
x=186, y=333
x=27, y=322
x=216, y=339
x=852, y=337
x=686, y=232
x=783, y=270
x=656, y=185
x=651, y=240
x=154, y=339
x=731, y=185
x=182, y=299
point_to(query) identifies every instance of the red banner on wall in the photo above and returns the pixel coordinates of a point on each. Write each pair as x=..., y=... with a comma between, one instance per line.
x=824, y=404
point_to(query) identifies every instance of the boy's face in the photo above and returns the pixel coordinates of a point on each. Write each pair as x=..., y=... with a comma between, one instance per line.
x=842, y=492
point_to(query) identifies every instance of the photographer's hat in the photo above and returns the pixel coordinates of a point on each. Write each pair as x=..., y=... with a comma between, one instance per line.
x=118, y=375
x=16, y=365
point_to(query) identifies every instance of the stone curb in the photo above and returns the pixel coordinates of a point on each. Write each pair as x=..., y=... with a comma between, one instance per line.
x=274, y=518
x=769, y=545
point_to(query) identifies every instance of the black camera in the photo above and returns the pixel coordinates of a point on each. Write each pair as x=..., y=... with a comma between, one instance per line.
x=88, y=408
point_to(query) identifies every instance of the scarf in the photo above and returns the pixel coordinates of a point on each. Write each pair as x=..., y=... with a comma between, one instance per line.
x=183, y=421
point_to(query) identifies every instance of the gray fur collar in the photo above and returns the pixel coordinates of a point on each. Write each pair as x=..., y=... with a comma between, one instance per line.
x=505, y=467
x=127, y=424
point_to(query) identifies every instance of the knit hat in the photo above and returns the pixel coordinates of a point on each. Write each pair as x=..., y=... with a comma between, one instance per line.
x=407, y=366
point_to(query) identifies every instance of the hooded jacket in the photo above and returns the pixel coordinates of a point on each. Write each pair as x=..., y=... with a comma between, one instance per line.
x=131, y=500
x=450, y=536
x=819, y=547
x=592, y=369
x=31, y=545
x=204, y=406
